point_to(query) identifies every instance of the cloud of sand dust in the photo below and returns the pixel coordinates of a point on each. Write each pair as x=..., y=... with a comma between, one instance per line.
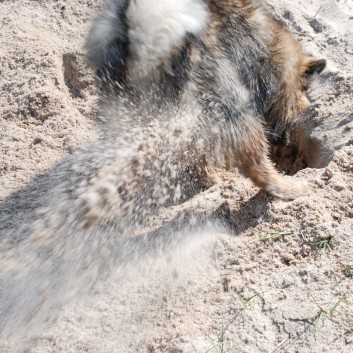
x=99, y=220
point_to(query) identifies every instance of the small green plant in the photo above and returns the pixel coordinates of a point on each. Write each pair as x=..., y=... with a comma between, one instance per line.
x=323, y=313
x=348, y=271
x=222, y=341
x=325, y=244
x=220, y=345
x=247, y=301
x=340, y=300
x=275, y=235
x=320, y=316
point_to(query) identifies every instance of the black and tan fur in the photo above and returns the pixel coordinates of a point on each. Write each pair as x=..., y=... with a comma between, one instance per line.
x=246, y=72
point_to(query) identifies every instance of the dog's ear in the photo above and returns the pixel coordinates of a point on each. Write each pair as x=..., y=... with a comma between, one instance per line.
x=314, y=66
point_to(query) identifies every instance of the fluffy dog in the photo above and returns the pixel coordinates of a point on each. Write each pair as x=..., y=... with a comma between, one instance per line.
x=244, y=71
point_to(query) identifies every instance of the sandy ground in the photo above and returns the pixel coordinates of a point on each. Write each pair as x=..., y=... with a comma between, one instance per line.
x=232, y=269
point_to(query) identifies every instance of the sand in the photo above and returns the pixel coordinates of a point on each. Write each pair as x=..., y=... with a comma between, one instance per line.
x=230, y=269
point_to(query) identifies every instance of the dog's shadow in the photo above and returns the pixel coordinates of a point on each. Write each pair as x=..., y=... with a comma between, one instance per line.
x=223, y=218
x=23, y=207
x=75, y=252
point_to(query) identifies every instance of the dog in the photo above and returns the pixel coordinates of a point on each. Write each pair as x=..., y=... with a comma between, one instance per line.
x=247, y=75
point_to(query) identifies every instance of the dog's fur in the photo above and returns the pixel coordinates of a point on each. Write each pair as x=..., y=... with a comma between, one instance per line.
x=247, y=73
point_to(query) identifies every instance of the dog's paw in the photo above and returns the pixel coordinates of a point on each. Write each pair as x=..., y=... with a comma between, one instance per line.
x=288, y=188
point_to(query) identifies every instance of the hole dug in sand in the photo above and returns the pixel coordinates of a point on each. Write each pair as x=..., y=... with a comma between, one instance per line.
x=304, y=151
x=74, y=68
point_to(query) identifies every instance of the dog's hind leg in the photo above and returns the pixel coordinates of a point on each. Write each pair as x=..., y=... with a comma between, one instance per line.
x=252, y=156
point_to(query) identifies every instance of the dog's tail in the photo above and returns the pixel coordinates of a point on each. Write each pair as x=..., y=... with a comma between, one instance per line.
x=139, y=35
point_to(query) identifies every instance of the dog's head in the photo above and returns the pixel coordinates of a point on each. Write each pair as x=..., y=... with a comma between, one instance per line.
x=292, y=98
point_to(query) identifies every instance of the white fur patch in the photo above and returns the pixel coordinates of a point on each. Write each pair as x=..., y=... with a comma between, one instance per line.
x=156, y=27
